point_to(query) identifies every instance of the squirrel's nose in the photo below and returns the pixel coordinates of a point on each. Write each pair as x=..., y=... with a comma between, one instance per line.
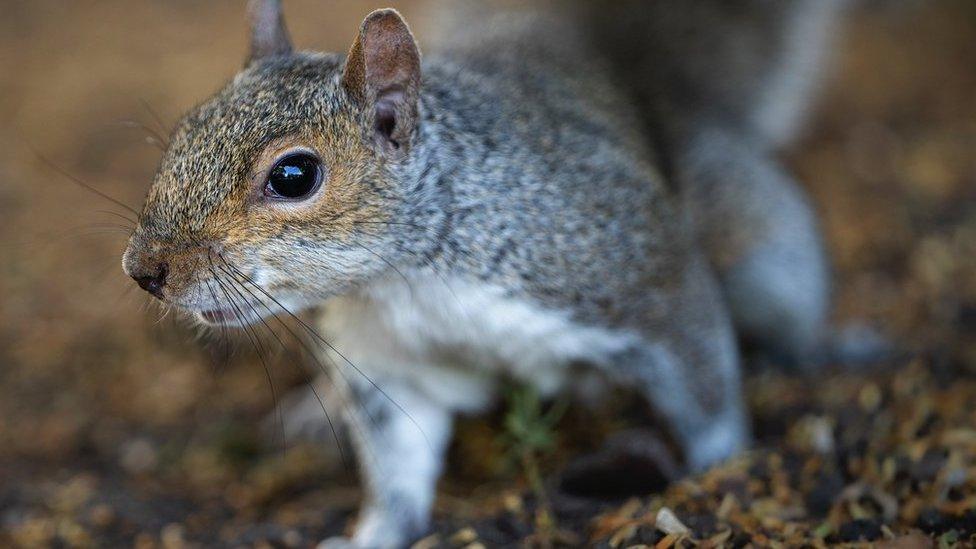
x=153, y=283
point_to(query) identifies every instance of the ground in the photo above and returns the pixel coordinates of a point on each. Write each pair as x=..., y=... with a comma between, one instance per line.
x=121, y=428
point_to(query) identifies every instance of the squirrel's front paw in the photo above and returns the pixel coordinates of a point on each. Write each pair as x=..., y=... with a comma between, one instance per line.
x=357, y=542
x=379, y=528
x=339, y=542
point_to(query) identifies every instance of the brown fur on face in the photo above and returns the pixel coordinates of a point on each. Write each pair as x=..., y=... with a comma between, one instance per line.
x=207, y=204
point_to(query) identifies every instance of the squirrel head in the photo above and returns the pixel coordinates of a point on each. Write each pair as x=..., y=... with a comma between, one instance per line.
x=284, y=188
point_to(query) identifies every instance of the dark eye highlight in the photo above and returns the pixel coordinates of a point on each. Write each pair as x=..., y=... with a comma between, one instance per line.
x=294, y=177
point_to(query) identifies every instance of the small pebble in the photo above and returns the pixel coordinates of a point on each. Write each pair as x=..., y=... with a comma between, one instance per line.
x=429, y=542
x=669, y=523
x=464, y=536
x=101, y=515
x=172, y=536
x=292, y=538
x=869, y=397
x=139, y=456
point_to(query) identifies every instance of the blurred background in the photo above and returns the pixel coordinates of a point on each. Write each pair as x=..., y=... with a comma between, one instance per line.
x=120, y=425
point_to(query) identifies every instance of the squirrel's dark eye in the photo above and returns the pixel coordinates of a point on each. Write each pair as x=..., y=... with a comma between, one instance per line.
x=294, y=176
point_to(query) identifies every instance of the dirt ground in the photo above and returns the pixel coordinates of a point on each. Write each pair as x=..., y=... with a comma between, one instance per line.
x=120, y=426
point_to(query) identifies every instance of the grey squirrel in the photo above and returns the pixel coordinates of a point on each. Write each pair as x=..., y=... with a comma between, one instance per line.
x=565, y=196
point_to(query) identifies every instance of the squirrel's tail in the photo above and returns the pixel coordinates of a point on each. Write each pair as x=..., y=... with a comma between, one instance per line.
x=751, y=65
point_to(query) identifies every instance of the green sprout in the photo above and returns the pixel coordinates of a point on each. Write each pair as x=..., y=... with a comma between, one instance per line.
x=530, y=433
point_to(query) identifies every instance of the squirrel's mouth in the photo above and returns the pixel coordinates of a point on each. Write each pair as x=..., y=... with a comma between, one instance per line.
x=219, y=316
x=230, y=317
x=240, y=315
x=227, y=317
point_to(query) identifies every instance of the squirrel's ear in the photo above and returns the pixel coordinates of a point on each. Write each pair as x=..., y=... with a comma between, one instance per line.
x=382, y=73
x=269, y=37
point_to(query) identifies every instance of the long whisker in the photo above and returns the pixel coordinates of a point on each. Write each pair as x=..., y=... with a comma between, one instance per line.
x=152, y=137
x=314, y=356
x=84, y=185
x=117, y=214
x=426, y=261
x=82, y=231
x=312, y=332
x=388, y=264
x=224, y=337
x=166, y=311
x=160, y=125
x=102, y=225
x=257, y=346
x=224, y=348
x=234, y=286
x=44, y=240
x=312, y=353
x=311, y=385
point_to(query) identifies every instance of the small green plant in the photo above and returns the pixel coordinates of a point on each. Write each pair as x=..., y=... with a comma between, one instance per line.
x=949, y=540
x=530, y=434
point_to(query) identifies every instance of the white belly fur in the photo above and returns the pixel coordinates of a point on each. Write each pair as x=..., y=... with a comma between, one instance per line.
x=454, y=339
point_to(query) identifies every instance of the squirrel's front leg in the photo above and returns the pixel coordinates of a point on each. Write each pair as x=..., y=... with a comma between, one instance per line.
x=400, y=437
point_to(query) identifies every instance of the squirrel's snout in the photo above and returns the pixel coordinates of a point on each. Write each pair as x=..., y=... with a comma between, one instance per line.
x=153, y=283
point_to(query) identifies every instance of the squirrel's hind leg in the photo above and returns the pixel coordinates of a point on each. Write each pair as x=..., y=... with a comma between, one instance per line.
x=687, y=368
x=763, y=240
